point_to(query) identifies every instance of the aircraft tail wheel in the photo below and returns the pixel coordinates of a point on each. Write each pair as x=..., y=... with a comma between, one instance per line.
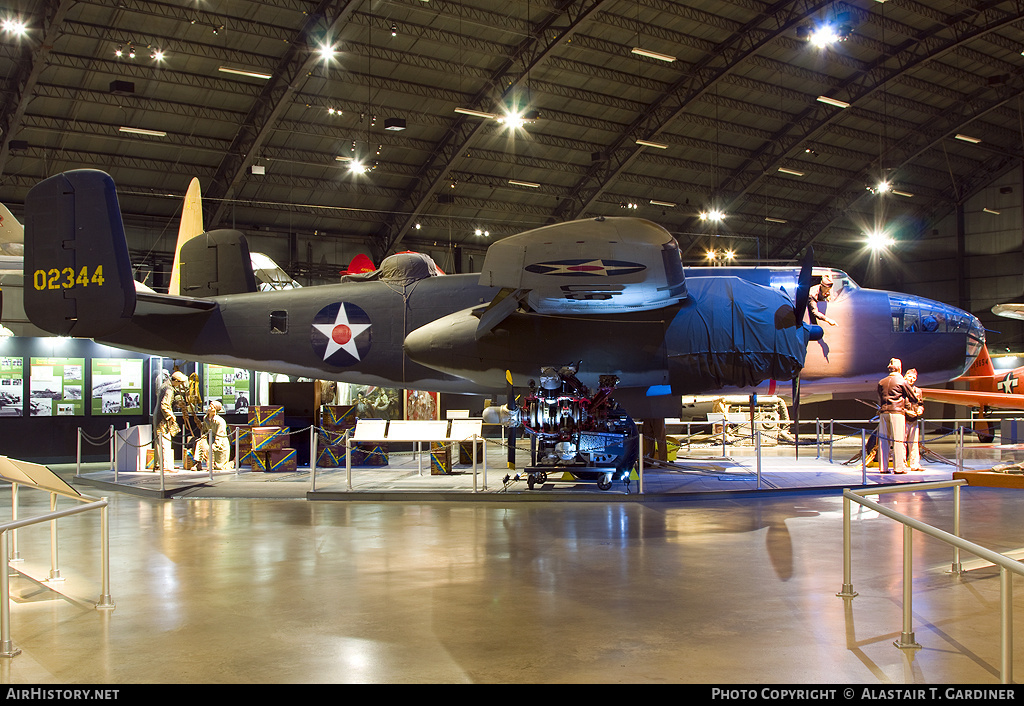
x=530, y=482
x=604, y=482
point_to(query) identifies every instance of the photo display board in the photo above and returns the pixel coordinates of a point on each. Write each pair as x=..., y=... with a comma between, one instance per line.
x=56, y=387
x=116, y=386
x=228, y=385
x=12, y=386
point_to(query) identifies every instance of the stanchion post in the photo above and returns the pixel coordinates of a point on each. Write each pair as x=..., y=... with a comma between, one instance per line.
x=15, y=554
x=960, y=448
x=348, y=461
x=54, y=568
x=474, y=463
x=312, y=458
x=112, y=464
x=847, y=591
x=831, y=437
x=1006, y=625
x=863, y=456
x=7, y=648
x=757, y=455
x=907, y=640
x=78, y=455
x=105, y=602
x=957, y=567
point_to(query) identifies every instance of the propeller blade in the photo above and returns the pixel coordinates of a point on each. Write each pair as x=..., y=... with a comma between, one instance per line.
x=803, y=290
x=796, y=415
x=510, y=404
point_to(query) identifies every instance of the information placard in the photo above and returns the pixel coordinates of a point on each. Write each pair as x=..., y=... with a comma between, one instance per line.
x=116, y=386
x=55, y=387
x=12, y=386
x=228, y=385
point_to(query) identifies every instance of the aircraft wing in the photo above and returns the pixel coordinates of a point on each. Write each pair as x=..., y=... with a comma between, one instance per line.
x=971, y=398
x=1010, y=311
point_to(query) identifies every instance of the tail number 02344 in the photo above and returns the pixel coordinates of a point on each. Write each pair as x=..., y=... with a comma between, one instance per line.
x=66, y=278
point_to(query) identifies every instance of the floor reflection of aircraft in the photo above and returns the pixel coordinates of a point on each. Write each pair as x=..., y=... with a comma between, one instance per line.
x=610, y=292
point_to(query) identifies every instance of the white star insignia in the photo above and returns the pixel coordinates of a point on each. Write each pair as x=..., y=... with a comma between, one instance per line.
x=341, y=334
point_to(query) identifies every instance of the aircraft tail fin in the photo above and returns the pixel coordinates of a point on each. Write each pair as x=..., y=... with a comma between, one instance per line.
x=190, y=226
x=981, y=376
x=78, y=275
x=216, y=263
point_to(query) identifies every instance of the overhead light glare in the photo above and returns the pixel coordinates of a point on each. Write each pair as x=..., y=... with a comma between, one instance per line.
x=712, y=215
x=326, y=52
x=477, y=113
x=649, y=143
x=787, y=170
x=639, y=51
x=967, y=138
x=245, y=72
x=823, y=37
x=833, y=101
x=516, y=182
x=15, y=27
x=142, y=131
x=878, y=240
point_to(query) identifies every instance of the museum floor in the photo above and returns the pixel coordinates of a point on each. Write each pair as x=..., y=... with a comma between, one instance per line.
x=702, y=587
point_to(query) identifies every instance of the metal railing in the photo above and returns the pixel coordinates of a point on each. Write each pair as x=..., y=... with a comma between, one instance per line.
x=1006, y=565
x=105, y=601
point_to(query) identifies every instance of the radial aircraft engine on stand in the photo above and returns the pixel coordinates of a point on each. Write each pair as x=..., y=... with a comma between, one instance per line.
x=572, y=429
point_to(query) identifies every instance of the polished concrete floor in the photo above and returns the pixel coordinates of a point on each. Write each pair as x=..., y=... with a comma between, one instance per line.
x=728, y=589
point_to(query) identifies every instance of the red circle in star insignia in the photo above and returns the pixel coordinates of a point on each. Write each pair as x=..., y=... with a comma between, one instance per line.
x=341, y=334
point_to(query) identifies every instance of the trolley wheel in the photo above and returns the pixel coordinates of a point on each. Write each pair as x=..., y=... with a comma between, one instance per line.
x=604, y=482
x=542, y=477
x=530, y=482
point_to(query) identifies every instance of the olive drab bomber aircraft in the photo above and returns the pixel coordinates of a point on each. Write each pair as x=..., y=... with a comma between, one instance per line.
x=605, y=301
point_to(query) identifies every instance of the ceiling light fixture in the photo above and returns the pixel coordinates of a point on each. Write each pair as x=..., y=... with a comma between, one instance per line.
x=142, y=131
x=990, y=210
x=251, y=73
x=787, y=170
x=15, y=27
x=666, y=204
x=326, y=52
x=653, y=54
x=476, y=113
x=833, y=101
x=516, y=182
x=649, y=143
x=967, y=138
x=775, y=220
x=906, y=194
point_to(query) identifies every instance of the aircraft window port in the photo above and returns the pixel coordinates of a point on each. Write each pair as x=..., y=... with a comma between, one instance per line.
x=279, y=322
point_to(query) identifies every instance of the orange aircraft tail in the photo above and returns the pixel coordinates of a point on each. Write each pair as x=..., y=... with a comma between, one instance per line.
x=981, y=376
